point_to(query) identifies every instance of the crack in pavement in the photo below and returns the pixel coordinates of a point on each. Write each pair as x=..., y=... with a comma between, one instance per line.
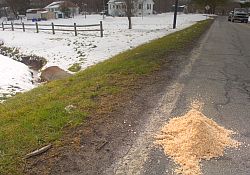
x=227, y=88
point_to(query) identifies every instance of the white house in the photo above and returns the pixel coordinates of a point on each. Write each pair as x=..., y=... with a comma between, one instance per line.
x=34, y=13
x=57, y=8
x=39, y=14
x=140, y=7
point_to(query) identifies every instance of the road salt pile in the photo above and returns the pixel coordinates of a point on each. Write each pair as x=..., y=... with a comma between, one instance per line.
x=193, y=137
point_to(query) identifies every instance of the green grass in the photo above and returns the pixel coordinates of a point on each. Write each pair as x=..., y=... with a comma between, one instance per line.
x=75, y=67
x=38, y=117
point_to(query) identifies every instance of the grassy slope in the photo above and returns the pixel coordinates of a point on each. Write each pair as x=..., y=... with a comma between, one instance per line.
x=33, y=119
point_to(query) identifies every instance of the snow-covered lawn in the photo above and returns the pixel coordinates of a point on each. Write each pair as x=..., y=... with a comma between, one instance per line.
x=14, y=77
x=88, y=48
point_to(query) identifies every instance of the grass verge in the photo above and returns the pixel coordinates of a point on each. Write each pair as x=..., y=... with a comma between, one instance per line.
x=75, y=67
x=38, y=117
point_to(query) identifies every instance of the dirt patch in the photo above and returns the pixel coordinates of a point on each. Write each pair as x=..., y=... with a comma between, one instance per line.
x=34, y=62
x=194, y=137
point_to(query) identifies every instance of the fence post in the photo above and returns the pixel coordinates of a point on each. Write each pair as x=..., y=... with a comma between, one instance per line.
x=37, y=28
x=75, y=29
x=101, y=28
x=3, y=26
x=12, y=26
x=53, y=28
x=23, y=27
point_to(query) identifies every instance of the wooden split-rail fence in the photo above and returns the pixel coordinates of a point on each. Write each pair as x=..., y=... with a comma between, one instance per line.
x=53, y=27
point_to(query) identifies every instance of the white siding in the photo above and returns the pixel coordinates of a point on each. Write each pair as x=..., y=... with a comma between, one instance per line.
x=116, y=9
x=31, y=16
x=148, y=8
x=143, y=7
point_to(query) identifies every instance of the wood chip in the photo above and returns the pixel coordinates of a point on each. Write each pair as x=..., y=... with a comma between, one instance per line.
x=193, y=137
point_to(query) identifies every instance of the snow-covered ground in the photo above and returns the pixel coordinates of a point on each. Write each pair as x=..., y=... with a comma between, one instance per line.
x=88, y=48
x=14, y=77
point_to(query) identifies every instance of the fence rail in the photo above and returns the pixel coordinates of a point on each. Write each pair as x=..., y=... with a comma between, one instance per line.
x=53, y=27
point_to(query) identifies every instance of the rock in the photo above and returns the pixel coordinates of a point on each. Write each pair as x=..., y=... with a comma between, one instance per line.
x=53, y=73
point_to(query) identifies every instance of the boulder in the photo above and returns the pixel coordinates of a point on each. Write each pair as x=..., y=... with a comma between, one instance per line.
x=53, y=73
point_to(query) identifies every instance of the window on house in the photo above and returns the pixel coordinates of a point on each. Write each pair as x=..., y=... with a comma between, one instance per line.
x=113, y=6
x=140, y=6
x=117, y=6
x=148, y=7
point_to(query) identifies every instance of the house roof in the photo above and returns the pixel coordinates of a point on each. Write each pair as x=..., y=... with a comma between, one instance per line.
x=55, y=4
x=116, y=1
x=44, y=12
x=34, y=10
x=58, y=4
x=123, y=1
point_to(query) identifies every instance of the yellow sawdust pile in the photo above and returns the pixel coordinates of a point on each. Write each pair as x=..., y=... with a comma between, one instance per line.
x=193, y=137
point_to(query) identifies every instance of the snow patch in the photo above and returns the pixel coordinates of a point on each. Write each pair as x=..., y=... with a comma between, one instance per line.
x=14, y=77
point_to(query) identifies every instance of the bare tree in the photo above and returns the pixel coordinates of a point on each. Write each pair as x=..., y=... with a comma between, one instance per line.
x=97, y=6
x=18, y=6
x=212, y=3
x=39, y=3
x=92, y=5
x=129, y=8
x=163, y=5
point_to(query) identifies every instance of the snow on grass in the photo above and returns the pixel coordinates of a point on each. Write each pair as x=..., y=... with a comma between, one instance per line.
x=14, y=77
x=64, y=49
x=88, y=48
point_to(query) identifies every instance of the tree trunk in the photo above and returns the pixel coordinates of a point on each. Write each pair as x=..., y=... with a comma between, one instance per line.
x=129, y=22
x=129, y=5
x=213, y=9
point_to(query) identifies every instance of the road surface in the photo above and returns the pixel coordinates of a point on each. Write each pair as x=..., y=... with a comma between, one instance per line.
x=218, y=74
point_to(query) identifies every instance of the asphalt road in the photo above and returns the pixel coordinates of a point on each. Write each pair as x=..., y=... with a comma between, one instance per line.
x=218, y=75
